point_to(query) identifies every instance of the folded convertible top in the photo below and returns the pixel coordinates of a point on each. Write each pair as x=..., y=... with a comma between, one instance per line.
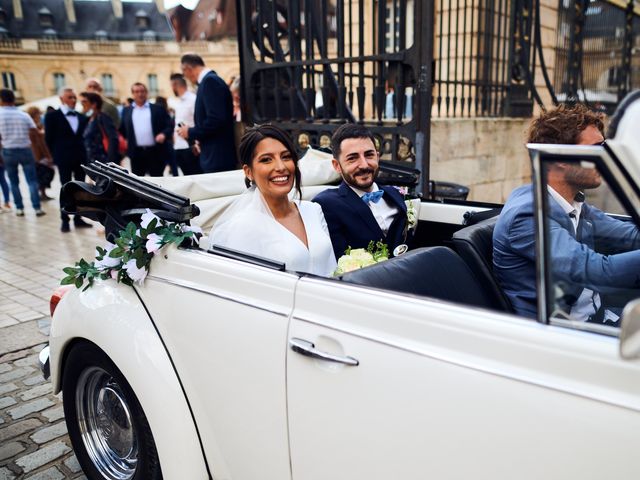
x=119, y=197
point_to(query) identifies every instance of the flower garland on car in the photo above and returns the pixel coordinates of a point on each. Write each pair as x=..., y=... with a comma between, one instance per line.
x=356, y=258
x=128, y=259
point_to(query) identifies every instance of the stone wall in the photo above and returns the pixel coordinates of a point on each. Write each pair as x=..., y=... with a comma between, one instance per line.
x=485, y=154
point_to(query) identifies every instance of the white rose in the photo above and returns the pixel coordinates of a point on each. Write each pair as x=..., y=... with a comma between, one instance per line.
x=191, y=228
x=154, y=243
x=107, y=261
x=136, y=274
x=360, y=254
x=146, y=218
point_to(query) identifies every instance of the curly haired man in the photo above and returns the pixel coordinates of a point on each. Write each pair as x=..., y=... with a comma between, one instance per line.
x=576, y=228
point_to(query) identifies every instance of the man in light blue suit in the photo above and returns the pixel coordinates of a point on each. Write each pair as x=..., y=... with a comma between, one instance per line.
x=592, y=253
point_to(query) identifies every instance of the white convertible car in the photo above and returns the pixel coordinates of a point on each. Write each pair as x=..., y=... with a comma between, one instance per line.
x=227, y=366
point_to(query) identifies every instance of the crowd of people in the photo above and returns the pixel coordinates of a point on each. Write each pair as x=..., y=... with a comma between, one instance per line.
x=197, y=136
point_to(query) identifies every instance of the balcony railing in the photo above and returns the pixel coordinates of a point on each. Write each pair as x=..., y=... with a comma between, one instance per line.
x=10, y=44
x=104, y=47
x=195, y=47
x=145, y=48
x=55, y=45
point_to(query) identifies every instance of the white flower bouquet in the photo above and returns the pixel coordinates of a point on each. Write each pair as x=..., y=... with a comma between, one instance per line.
x=355, y=258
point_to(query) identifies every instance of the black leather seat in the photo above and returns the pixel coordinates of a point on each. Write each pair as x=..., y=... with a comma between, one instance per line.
x=436, y=272
x=475, y=246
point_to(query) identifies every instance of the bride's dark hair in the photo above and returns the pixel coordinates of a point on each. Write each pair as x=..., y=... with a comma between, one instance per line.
x=255, y=135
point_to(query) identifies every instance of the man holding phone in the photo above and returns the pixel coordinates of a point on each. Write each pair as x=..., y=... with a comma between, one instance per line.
x=184, y=108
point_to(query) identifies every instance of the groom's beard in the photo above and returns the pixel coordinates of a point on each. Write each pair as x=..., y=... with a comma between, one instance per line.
x=361, y=179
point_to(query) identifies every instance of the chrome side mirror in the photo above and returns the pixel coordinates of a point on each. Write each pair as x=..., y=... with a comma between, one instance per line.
x=630, y=331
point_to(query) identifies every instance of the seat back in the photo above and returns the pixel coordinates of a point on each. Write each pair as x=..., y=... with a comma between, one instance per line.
x=475, y=246
x=436, y=272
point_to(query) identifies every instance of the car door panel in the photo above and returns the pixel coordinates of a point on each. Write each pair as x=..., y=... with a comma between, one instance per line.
x=224, y=324
x=443, y=391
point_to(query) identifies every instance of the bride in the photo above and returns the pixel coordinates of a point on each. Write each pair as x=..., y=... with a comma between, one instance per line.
x=265, y=221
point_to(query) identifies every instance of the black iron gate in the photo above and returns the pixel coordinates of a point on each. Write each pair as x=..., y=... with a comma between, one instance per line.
x=310, y=65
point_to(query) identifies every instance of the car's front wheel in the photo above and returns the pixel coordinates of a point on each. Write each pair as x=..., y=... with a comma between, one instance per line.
x=107, y=426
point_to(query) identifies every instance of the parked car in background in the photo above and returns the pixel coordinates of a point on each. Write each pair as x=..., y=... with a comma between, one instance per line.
x=228, y=366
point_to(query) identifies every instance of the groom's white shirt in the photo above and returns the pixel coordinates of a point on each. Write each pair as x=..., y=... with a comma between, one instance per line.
x=383, y=211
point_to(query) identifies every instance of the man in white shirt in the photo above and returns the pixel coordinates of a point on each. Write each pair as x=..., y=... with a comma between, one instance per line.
x=148, y=130
x=184, y=108
x=16, y=129
x=359, y=211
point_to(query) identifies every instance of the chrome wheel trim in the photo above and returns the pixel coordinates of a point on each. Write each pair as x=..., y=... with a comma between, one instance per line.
x=105, y=423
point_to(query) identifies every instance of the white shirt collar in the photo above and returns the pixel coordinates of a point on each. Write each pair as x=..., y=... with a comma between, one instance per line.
x=575, y=207
x=202, y=74
x=146, y=105
x=65, y=109
x=360, y=193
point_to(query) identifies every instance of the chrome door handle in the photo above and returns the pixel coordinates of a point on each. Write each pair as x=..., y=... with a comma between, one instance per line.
x=308, y=349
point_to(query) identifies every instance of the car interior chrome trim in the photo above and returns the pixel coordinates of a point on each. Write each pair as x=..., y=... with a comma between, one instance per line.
x=231, y=298
x=542, y=255
x=503, y=373
x=244, y=261
x=609, y=330
x=308, y=349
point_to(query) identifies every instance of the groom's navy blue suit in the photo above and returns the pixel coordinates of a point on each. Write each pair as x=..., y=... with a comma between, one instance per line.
x=351, y=223
x=600, y=255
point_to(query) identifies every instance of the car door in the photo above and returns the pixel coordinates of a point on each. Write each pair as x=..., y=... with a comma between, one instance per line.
x=447, y=391
x=224, y=324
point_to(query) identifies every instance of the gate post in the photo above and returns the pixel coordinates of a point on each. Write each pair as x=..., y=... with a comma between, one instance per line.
x=624, y=78
x=519, y=102
x=424, y=27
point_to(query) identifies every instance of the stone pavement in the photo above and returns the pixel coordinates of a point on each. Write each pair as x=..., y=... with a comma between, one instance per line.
x=33, y=438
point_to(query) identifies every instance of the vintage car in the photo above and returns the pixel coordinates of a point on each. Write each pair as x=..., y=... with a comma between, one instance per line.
x=227, y=366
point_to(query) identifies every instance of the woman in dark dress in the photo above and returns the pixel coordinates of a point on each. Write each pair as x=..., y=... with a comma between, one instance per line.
x=100, y=136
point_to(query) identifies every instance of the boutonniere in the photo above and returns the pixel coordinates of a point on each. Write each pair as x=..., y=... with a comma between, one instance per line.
x=413, y=204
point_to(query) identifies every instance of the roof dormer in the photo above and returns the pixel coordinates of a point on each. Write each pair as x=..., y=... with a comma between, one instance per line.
x=142, y=20
x=45, y=17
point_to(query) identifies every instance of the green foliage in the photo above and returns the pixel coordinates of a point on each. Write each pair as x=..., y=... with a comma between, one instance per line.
x=131, y=244
x=378, y=250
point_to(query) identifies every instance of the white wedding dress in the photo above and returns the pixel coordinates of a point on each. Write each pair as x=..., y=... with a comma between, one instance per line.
x=249, y=226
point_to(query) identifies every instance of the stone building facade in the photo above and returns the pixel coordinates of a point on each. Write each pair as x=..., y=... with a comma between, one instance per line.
x=45, y=44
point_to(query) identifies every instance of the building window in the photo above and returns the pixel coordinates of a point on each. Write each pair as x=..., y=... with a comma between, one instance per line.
x=107, y=85
x=58, y=81
x=9, y=81
x=3, y=16
x=45, y=17
x=142, y=19
x=152, y=79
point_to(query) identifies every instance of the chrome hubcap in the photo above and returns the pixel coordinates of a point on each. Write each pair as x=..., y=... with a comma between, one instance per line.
x=104, y=418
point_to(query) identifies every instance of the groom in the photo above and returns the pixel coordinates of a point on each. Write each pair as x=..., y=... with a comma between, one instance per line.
x=359, y=211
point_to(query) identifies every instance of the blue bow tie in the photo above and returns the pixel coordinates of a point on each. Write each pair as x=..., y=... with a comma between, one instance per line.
x=372, y=196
